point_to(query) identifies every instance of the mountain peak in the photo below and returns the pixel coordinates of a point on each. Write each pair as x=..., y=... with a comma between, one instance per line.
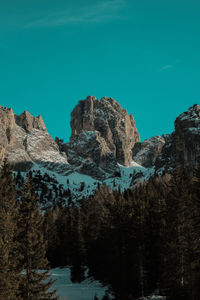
x=29, y=122
x=112, y=122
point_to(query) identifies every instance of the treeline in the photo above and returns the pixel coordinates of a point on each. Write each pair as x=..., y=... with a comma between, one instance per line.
x=22, y=243
x=49, y=192
x=134, y=242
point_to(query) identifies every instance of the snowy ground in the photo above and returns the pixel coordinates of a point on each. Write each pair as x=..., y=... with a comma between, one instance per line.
x=75, y=291
x=82, y=291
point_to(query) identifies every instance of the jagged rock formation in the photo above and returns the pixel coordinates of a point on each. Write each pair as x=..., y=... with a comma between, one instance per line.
x=103, y=135
x=7, y=122
x=113, y=123
x=28, y=122
x=89, y=152
x=146, y=153
x=183, y=146
x=25, y=140
x=103, y=143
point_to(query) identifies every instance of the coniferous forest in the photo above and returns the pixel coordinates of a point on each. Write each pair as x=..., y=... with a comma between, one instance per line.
x=134, y=242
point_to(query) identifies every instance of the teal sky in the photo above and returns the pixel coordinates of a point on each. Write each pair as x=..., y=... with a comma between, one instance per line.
x=143, y=53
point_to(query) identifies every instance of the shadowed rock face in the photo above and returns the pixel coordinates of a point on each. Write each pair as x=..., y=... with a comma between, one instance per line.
x=113, y=123
x=146, y=153
x=183, y=146
x=90, y=154
x=187, y=136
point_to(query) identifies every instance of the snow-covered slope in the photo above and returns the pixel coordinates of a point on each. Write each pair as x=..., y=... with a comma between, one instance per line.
x=67, y=290
x=85, y=290
x=75, y=186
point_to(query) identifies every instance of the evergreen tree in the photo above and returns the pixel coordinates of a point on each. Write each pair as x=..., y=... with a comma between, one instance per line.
x=195, y=234
x=9, y=269
x=139, y=228
x=155, y=192
x=77, y=253
x=106, y=296
x=179, y=236
x=52, y=238
x=34, y=284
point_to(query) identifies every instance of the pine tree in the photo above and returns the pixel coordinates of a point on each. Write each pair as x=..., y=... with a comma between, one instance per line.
x=52, y=237
x=156, y=193
x=34, y=284
x=179, y=236
x=195, y=234
x=77, y=255
x=106, y=296
x=8, y=258
x=140, y=208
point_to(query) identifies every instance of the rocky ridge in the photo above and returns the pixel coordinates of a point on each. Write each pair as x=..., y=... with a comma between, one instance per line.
x=104, y=147
x=24, y=141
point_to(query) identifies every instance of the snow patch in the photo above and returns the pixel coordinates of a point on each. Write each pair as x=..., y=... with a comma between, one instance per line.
x=67, y=290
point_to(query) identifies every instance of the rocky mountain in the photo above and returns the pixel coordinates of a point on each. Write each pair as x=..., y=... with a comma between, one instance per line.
x=146, y=153
x=25, y=141
x=104, y=148
x=182, y=147
x=113, y=123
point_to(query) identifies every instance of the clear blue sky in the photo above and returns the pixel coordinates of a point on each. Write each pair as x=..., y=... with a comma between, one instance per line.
x=143, y=53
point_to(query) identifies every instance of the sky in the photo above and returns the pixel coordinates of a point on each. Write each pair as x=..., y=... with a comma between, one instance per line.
x=143, y=53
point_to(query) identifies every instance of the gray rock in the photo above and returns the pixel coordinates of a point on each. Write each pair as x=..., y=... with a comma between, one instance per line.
x=183, y=146
x=146, y=153
x=24, y=140
x=89, y=154
x=113, y=123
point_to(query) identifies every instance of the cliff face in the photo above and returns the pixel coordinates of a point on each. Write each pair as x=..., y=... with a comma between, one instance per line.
x=112, y=122
x=103, y=143
x=103, y=135
x=146, y=153
x=25, y=140
x=7, y=122
x=187, y=136
x=89, y=154
x=183, y=146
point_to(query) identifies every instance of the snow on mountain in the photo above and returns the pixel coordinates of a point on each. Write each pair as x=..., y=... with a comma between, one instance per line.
x=104, y=148
x=81, y=185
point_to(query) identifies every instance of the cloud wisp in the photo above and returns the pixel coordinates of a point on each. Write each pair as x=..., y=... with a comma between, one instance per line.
x=166, y=67
x=100, y=12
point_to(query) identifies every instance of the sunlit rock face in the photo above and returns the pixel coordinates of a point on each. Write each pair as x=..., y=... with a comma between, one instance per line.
x=113, y=123
x=25, y=140
x=28, y=122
